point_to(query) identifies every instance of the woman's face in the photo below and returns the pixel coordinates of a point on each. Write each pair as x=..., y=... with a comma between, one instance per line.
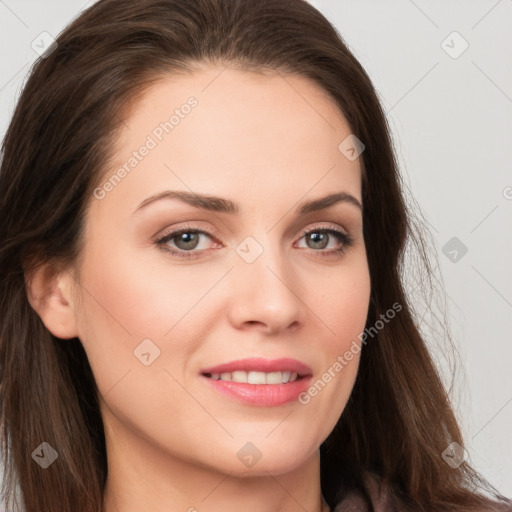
x=253, y=296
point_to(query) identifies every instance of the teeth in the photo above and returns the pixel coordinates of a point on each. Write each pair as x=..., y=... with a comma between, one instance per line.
x=256, y=377
x=239, y=377
x=274, y=378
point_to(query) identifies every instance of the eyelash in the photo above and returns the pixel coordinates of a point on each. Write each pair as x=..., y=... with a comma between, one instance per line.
x=346, y=241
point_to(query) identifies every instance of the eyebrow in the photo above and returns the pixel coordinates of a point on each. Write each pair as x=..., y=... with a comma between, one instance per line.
x=218, y=204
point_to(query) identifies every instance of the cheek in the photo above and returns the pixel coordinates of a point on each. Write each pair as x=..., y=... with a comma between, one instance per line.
x=126, y=299
x=344, y=309
x=142, y=289
x=118, y=310
x=345, y=306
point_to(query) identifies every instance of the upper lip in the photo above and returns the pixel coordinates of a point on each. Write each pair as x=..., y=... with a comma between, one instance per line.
x=258, y=364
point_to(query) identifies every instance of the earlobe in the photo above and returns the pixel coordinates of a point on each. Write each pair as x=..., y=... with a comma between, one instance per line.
x=49, y=292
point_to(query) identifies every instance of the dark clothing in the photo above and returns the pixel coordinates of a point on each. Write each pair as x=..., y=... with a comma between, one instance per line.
x=381, y=499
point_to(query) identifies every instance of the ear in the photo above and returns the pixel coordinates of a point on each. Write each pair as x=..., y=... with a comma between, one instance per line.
x=49, y=293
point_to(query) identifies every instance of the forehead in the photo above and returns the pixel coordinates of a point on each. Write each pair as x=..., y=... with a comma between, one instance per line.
x=219, y=129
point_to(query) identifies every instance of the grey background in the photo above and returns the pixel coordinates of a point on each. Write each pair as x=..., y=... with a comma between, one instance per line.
x=452, y=124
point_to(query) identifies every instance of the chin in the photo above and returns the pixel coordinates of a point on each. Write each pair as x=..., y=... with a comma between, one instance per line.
x=263, y=456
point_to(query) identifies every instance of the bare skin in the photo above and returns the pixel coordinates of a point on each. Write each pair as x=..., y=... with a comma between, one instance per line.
x=267, y=142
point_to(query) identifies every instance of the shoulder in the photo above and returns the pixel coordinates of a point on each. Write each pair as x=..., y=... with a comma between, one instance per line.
x=377, y=495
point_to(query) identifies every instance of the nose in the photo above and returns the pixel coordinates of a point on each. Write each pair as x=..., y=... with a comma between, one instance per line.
x=266, y=295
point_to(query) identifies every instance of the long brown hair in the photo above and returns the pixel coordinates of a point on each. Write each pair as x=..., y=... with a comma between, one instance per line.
x=398, y=420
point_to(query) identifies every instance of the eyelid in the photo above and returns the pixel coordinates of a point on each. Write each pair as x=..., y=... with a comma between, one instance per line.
x=214, y=233
x=320, y=227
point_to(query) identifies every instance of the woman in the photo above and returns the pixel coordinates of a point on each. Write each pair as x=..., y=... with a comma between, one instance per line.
x=201, y=303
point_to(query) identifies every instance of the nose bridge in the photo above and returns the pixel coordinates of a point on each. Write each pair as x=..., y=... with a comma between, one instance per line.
x=265, y=291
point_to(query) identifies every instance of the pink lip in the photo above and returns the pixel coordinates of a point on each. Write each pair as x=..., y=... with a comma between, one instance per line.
x=258, y=364
x=266, y=395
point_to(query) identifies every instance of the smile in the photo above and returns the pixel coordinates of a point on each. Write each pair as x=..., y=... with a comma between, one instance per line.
x=258, y=381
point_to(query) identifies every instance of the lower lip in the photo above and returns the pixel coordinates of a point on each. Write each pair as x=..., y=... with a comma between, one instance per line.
x=266, y=395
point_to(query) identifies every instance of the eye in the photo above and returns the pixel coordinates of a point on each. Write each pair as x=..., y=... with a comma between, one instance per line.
x=183, y=242
x=187, y=239
x=319, y=237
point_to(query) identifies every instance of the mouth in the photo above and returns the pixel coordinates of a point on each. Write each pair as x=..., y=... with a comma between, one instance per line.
x=260, y=381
